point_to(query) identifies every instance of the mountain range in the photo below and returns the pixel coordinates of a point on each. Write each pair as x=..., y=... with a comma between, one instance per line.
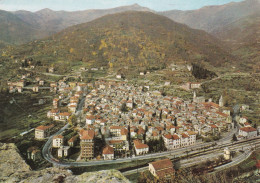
x=23, y=26
x=136, y=39
x=102, y=37
x=212, y=18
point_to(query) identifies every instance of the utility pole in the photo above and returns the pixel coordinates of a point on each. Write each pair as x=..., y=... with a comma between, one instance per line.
x=136, y=165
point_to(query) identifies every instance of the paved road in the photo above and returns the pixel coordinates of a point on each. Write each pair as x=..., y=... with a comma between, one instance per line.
x=235, y=161
x=46, y=151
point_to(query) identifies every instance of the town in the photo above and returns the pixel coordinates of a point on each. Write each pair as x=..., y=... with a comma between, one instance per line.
x=114, y=119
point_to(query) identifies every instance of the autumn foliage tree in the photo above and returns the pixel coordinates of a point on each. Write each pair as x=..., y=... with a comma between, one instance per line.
x=72, y=120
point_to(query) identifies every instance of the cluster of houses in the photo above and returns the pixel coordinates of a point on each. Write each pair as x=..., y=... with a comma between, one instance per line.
x=126, y=116
x=69, y=96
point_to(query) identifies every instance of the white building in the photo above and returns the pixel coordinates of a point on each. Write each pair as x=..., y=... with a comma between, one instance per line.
x=242, y=120
x=63, y=151
x=247, y=132
x=90, y=119
x=129, y=104
x=177, y=141
x=115, y=130
x=172, y=141
x=140, y=148
x=108, y=153
x=57, y=141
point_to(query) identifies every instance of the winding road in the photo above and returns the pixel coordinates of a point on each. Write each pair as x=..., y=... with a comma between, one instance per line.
x=176, y=152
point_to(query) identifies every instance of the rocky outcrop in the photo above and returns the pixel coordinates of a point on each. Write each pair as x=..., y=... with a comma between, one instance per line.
x=13, y=169
x=112, y=176
x=11, y=162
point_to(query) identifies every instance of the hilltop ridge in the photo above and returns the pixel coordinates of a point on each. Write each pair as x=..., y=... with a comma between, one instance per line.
x=134, y=39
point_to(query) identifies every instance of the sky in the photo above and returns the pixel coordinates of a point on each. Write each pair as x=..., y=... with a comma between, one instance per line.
x=75, y=5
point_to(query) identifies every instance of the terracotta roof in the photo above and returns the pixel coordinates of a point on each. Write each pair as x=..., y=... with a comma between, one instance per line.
x=58, y=137
x=65, y=114
x=168, y=136
x=222, y=114
x=115, y=127
x=163, y=167
x=213, y=104
x=154, y=133
x=159, y=128
x=115, y=141
x=141, y=146
x=191, y=132
x=140, y=131
x=124, y=131
x=44, y=127
x=248, y=129
x=90, y=117
x=73, y=139
x=54, y=110
x=87, y=134
x=213, y=126
x=33, y=148
x=175, y=137
x=184, y=135
x=246, y=123
x=108, y=150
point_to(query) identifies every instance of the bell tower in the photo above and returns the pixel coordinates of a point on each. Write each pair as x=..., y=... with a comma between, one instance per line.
x=221, y=101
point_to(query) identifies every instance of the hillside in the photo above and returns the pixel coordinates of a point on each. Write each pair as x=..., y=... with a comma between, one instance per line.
x=14, y=30
x=243, y=36
x=210, y=18
x=134, y=39
x=55, y=21
x=3, y=44
x=244, y=31
x=23, y=26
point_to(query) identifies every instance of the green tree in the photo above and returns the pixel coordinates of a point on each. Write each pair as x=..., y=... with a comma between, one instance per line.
x=72, y=120
x=123, y=107
x=234, y=138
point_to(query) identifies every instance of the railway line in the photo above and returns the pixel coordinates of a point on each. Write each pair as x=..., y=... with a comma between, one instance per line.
x=198, y=157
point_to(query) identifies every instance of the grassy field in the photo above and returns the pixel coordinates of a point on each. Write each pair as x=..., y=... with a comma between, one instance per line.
x=19, y=113
x=117, y=166
x=251, y=161
x=133, y=178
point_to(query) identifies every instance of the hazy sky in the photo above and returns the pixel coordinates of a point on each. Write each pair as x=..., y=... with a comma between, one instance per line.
x=73, y=5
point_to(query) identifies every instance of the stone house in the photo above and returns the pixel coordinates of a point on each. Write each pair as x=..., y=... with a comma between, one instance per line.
x=161, y=168
x=41, y=132
x=108, y=153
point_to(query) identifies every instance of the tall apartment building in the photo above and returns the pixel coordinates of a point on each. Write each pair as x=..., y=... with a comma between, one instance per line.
x=87, y=144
